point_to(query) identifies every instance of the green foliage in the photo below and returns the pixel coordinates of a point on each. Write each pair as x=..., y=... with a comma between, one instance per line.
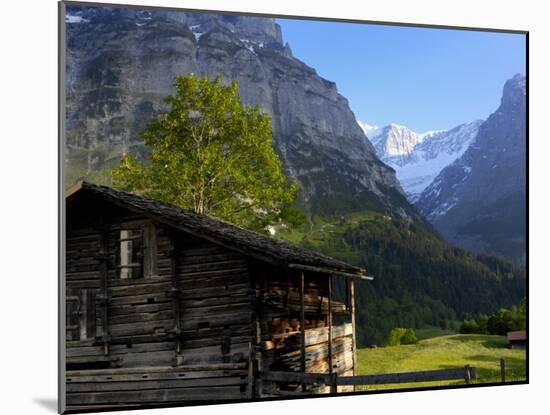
x=420, y=281
x=469, y=327
x=499, y=323
x=293, y=216
x=409, y=337
x=394, y=337
x=211, y=154
x=400, y=335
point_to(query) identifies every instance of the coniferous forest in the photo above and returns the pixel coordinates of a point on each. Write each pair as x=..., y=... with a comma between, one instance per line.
x=419, y=280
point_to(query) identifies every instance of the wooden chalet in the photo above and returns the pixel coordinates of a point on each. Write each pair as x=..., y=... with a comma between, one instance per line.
x=517, y=339
x=164, y=306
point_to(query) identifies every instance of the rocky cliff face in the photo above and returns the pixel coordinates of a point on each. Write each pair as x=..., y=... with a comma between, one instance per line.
x=478, y=202
x=121, y=62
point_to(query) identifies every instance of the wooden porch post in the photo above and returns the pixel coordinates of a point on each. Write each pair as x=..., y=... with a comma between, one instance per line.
x=354, y=340
x=255, y=386
x=329, y=318
x=302, y=330
x=104, y=284
x=287, y=289
x=176, y=305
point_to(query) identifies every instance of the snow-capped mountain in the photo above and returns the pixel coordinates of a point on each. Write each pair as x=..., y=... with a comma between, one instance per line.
x=370, y=130
x=419, y=158
x=478, y=201
x=395, y=143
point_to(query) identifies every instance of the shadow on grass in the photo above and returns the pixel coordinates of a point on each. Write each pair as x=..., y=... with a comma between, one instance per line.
x=509, y=361
x=488, y=368
x=489, y=341
x=494, y=376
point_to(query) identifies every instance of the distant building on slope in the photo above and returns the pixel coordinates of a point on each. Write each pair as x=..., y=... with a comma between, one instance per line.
x=517, y=339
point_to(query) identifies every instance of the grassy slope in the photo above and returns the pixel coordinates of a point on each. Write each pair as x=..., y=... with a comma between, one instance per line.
x=316, y=230
x=429, y=332
x=480, y=351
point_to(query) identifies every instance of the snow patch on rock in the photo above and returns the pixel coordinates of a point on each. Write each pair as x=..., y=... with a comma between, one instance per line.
x=419, y=158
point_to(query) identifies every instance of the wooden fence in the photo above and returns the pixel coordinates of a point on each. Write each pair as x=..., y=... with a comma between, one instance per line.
x=465, y=373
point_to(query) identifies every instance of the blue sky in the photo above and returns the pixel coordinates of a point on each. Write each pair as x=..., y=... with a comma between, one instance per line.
x=423, y=78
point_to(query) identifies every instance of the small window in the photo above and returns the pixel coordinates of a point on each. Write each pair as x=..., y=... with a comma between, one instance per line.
x=131, y=254
x=81, y=314
x=137, y=252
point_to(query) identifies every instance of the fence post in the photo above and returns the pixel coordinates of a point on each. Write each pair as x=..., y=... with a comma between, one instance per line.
x=351, y=284
x=333, y=382
x=503, y=371
x=467, y=376
x=302, y=331
x=258, y=383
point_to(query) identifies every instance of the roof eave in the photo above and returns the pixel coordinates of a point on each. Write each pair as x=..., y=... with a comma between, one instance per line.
x=325, y=270
x=74, y=188
x=360, y=274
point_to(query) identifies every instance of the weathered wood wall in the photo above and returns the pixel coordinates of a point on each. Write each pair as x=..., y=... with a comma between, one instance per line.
x=215, y=300
x=155, y=385
x=83, y=281
x=196, y=327
x=183, y=334
x=139, y=311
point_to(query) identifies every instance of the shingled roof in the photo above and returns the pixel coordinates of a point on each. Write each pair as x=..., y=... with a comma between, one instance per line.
x=516, y=335
x=250, y=243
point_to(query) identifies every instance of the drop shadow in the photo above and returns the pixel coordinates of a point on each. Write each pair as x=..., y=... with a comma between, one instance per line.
x=48, y=403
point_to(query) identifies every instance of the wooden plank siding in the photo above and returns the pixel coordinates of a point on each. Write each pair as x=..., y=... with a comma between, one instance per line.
x=158, y=385
x=211, y=286
x=216, y=310
x=198, y=321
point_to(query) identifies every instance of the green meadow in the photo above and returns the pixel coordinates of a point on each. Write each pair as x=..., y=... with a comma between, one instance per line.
x=443, y=352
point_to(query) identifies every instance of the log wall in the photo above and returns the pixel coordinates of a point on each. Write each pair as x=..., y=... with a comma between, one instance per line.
x=180, y=335
x=82, y=280
x=197, y=327
x=216, y=311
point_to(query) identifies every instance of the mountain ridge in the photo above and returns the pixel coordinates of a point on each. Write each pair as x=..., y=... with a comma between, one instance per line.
x=419, y=158
x=121, y=63
x=479, y=201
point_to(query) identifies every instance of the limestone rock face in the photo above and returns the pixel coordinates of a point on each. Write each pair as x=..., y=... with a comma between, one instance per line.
x=122, y=62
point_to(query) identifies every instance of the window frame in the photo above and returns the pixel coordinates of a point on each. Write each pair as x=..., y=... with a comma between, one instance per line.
x=146, y=250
